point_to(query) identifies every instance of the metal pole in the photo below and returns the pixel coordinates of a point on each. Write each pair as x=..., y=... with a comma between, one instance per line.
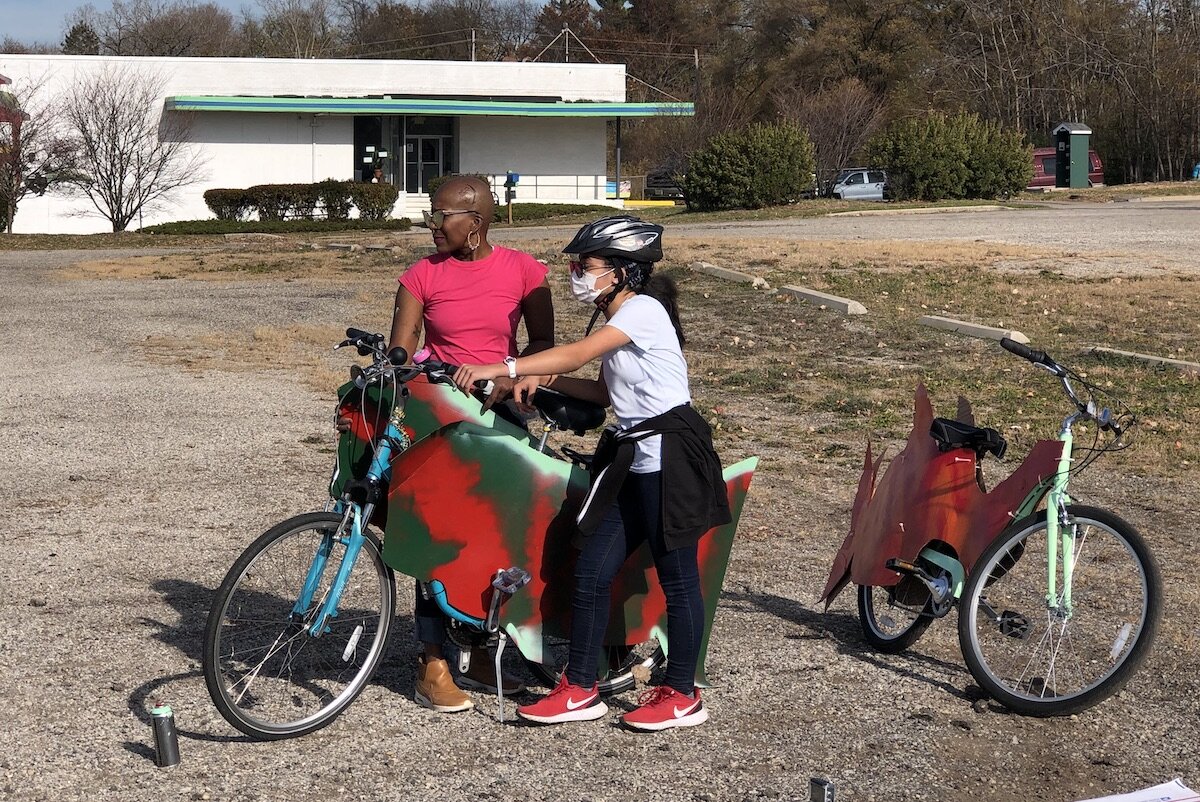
x=618, y=156
x=472, y=44
x=567, y=42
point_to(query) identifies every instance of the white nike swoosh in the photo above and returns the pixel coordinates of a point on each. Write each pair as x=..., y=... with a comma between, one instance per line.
x=681, y=713
x=573, y=705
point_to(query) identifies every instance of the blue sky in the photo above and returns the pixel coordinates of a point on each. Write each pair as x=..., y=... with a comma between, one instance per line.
x=32, y=21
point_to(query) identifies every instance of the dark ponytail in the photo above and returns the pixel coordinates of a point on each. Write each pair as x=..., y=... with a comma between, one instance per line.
x=661, y=287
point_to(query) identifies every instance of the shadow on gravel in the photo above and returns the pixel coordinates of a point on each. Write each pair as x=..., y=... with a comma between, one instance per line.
x=844, y=629
x=145, y=696
x=191, y=601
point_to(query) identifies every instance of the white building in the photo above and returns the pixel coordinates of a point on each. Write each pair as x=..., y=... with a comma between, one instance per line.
x=270, y=121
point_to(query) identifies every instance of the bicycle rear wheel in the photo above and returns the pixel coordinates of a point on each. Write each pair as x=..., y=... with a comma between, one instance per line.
x=1044, y=657
x=618, y=669
x=267, y=675
x=893, y=618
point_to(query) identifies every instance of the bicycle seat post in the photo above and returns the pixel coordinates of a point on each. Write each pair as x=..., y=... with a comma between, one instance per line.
x=547, y=427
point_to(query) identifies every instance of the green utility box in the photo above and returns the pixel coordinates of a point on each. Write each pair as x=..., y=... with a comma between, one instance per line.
x=1071, y=163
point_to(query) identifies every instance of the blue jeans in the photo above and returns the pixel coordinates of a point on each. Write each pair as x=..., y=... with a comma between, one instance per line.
x=636, y=517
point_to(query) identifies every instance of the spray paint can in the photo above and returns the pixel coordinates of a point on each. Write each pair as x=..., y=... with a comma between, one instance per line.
x=166, y=740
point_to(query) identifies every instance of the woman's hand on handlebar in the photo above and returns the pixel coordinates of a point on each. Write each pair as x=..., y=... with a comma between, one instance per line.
x=466, y=376
x=502, y=388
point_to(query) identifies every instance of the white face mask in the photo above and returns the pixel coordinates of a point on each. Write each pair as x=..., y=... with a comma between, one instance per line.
x=584, y=287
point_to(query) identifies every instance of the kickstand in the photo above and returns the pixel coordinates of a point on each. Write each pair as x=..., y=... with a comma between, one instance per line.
x=502, y=639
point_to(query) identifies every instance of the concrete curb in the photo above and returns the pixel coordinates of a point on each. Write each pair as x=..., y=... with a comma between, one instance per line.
x=253, y=236
x=824, y=299
x=1190, y=367
x=710, y=269
x=922, y=210
x=972, y=329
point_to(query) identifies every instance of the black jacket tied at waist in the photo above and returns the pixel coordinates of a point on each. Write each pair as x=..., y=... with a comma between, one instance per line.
x=694, y=499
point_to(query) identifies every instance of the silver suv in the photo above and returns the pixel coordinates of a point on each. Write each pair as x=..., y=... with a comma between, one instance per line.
x=859, y=183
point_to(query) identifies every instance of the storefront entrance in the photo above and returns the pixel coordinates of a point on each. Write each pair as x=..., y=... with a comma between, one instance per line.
x=419, y=149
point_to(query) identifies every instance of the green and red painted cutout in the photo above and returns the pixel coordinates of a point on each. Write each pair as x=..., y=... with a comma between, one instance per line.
x=471, y=497
x=927, y=495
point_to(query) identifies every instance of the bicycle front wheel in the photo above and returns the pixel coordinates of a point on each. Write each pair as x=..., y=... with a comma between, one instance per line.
x=266, y=673
x=1046, y=655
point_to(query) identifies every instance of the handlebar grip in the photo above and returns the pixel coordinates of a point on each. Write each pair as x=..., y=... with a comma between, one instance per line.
x=357, y=334
x=1025, y=352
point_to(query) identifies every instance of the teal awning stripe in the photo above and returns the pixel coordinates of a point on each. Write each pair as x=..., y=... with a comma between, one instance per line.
x=354, y=105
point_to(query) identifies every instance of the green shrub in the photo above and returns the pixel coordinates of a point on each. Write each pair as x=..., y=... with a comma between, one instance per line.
x=334, y=198
x=275, y=226
x=761, y=165
x=374, y=201
x=229, y=204
x=282, y=201
x=947, y=157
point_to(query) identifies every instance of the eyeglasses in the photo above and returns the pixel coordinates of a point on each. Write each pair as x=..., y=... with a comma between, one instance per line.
x=435, y=218
x=579, y=268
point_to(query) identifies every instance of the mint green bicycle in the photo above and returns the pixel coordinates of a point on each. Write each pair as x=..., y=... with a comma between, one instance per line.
x=1063, y=606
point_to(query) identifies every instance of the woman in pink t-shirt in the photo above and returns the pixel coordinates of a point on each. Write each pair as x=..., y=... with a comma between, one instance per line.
x=468, y=298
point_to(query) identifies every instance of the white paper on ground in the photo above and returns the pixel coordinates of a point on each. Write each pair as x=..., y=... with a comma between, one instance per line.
x=1174, y=791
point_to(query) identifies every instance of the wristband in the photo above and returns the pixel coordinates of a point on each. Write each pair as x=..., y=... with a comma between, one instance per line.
x=511, y=363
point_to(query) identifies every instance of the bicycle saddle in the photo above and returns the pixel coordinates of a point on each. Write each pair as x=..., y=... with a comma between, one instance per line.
x=567, y=413
x=951, y=434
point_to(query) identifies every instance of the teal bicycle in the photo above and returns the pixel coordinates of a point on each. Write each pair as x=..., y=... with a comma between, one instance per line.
x=1057, y=606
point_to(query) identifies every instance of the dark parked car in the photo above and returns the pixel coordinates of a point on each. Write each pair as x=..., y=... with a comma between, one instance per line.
x=663, y=185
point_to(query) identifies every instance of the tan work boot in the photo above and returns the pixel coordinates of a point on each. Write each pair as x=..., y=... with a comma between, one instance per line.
x=436, y=689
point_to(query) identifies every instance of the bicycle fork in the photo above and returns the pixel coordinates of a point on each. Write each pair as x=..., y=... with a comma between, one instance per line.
x=1060, y=532
x=349, y=533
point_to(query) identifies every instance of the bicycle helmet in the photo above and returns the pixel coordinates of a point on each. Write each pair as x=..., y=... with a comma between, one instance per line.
x=628, y=242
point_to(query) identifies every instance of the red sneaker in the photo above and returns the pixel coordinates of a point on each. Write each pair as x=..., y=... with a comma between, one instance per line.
x=664, y=707
x=566, y=702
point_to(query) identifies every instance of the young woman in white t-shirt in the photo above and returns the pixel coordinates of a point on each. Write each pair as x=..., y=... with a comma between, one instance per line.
x=644, y=378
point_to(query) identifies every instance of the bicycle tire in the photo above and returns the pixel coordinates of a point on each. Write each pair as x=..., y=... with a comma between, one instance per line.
x=302, y=683
x=625, y=664
x=1097, y=646
x=896, y=637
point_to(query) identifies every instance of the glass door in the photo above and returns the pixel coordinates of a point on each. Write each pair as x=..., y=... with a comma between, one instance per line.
x=423, y=156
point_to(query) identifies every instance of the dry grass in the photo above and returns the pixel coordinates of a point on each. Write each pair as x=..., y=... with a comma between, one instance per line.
x=791, y=382
x=301, y=350
x=1121, y=192
x=285, y=260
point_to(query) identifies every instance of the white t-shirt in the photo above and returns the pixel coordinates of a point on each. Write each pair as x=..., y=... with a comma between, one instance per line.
x=648, y=376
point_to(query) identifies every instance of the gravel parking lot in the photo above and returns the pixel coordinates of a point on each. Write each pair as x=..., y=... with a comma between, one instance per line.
x=129, y=486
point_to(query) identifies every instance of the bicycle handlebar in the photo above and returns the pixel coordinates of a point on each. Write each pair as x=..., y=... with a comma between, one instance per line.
x=1040, y=358
x=1104, y=417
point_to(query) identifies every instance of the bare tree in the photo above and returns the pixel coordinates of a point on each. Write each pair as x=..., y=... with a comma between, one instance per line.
x=34, y=154
x=839, y=120
x=132, y=155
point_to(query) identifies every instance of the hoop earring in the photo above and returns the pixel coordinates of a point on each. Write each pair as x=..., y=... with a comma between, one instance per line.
x=471, y=247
